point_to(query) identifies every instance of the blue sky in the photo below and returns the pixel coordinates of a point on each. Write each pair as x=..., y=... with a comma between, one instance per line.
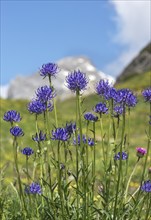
x=37, y=32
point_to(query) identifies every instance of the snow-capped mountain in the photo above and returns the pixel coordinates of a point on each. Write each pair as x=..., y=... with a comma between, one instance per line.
x=25, y=87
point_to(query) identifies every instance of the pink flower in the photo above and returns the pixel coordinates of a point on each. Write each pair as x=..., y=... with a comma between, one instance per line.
x=141, y=152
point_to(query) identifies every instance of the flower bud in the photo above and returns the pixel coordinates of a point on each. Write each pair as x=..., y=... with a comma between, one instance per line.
x=140, y=152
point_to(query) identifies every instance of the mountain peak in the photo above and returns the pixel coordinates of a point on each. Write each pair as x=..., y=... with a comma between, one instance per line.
x=25, y=87
x=140, y=64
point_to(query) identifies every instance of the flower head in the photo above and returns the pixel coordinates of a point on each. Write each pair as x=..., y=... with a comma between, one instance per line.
x=16, y=131
x=70, y=127
x=34, y=188
x=84, y=140
x=100, y=108
x=118, y=156
x=90, y=117
x=146, y=186
x=76, y=81
x=49, y=69
x=90, y=142
x=27, y=151
x=36, y=107
x=147, y=94
x=45, y=93
x=103, y=88
x=39, y=137
x=141, y=152
x=60, y=134
x=118, y=110
x=12, y=116
x=125, y=97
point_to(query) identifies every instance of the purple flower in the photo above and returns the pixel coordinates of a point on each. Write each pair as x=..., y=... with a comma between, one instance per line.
x=118, y=156
x=100, y=108
x=103, y=88
x=34, y=188
x=125, y=97
x=27, y=151
x=16, y=131
x=78, y=139
x=90, y=140
x=70, y=127
x=45, y=93
x=76, y=81
x=39, y=137
x=90, y=117
x=118, y=110
x=141, y=152
x=36, y=107
x=49, y=69
x=60, y=134
x=146, y=186
x=147, y=94
x=12, y=116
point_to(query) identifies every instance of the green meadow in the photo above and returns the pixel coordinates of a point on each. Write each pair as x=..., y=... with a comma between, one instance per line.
x=136, y=125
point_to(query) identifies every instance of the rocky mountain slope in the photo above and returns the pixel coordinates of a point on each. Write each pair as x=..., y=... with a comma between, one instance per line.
x=139, y=65
x=24, y=87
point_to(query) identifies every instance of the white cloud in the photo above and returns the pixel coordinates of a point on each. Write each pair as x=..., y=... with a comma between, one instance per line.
x=133, y=20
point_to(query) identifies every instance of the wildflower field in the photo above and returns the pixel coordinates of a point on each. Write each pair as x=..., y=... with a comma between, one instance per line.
x=85, y=158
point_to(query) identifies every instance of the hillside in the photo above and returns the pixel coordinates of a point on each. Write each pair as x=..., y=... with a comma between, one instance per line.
x=138, y=66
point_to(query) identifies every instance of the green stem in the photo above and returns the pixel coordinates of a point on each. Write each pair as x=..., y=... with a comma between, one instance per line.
x=120, y=166
x=54, y=103
x=102, y=136
x=15, y=146
x=55, y=111
x=59, y=180
x=77, y=157
x=93, y=165
x=82, y=147
x=148, y=208
x=27, y=169
x=127, y=187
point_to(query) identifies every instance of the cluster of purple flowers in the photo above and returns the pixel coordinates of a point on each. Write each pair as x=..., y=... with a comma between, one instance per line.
x=49, y=69
x=125, y=97
x=44, y=95
x=146, y=186
x=34, y=188
x=70, y=127
x=118, y=110
x=36, y=107
x=12, y=116
x=121, y=97
x=39, y=137
x=60, y=134
x=147, y=94
x=100, y=108
x=16, y=131
x=90, y=117
x=90, y=141
x=103, y=88
x=121, y=156
x=27, y=151
x=76, y=81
